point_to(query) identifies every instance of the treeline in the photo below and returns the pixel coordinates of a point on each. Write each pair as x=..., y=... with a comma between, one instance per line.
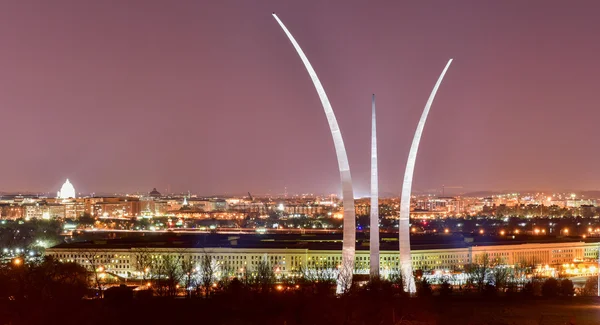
x=42, y=279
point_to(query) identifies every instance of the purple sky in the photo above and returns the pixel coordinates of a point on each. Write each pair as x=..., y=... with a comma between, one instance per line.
x=210, y=96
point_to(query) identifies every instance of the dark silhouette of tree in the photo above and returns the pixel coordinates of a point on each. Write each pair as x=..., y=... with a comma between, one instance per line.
x=189, y=274
x=500, y=276
x=550, y=288
x=445, y=289
x=42, y=280
x=142, y=262
x=86, y=219
x=264, y=277
x=478, y=271
x=94, y=261
x=566, y=288
x=590, y=289
x=207, y=273
x=423, y=288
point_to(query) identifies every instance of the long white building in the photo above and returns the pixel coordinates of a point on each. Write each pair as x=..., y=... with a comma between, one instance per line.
x=120, y=257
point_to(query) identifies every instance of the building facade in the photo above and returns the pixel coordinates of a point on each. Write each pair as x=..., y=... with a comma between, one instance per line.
x=235, y=261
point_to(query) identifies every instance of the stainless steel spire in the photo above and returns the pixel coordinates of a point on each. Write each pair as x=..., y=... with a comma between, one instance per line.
x=346, y=269
x=404, y=225
x=374, y=226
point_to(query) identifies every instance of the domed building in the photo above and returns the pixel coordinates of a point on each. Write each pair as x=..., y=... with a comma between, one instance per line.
x=67, y=191
x=154, y=193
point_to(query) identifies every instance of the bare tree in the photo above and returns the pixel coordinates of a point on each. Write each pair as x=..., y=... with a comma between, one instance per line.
x=264, y=276
x=189, y=276
x=478, y=271
x=207, y=273
x=320, y=278
x=500, y=276
x=166, y=273
x=143, y=262
x=94, y=261
x=397, y=280
x=590, y=288
x=172, y=272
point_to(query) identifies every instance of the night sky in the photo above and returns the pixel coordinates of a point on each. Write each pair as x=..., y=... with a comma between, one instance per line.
x=210, y=96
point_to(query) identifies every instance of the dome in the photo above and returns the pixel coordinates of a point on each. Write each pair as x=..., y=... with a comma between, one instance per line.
x=154, y=193
x=67, y=191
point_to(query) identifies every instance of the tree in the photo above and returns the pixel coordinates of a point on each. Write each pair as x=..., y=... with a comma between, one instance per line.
x=188, y=271
x=265, y=277
x=424, y=288
x=319, y=280
x=94, y=261
x=566, y=288
x=173, y=273
x=207, y=273
x=478, y=271
x=51, y=279
x=86, y=219
x=142, y=262
x=397, y=280
x=166, y=273
x=550, y=288
x=590, y=288
x=445, y=289
x=500, y=277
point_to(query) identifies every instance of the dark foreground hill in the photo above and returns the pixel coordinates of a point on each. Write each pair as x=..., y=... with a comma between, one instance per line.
x=293, y=309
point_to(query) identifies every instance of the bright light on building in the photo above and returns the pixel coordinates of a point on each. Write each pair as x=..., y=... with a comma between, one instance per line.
x=67, y=191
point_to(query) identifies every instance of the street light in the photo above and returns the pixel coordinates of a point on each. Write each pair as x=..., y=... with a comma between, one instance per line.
x=17, y=261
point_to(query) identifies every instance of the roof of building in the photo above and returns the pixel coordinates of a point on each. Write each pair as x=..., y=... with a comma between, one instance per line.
x=154, y=192
x=298, y=241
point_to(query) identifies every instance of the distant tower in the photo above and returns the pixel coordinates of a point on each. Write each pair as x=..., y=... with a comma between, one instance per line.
x=67, y=191
x=374, y=226
x=404, y=223
x=346, y=269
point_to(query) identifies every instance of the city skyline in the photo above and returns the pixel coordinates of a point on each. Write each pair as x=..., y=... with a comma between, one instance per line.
x=509, y=117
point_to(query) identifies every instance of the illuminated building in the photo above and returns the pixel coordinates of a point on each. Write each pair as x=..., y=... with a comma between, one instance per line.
x=117, y=207
x=11, y=211
x=404, y=222
x=43, y=210
x=349, y=245
x=67, y=191
x=578, y=203
x=236, y=254
x=154, y=193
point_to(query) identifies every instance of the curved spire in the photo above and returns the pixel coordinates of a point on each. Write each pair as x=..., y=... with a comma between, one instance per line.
x=404, y=224
x=346, y=269
x=374, y=225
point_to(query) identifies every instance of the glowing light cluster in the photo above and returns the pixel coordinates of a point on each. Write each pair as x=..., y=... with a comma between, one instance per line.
x=67, y=191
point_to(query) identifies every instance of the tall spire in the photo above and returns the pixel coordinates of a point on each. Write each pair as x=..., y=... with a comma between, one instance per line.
x=374, y=225
x=346, y=269
x=404, y=223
